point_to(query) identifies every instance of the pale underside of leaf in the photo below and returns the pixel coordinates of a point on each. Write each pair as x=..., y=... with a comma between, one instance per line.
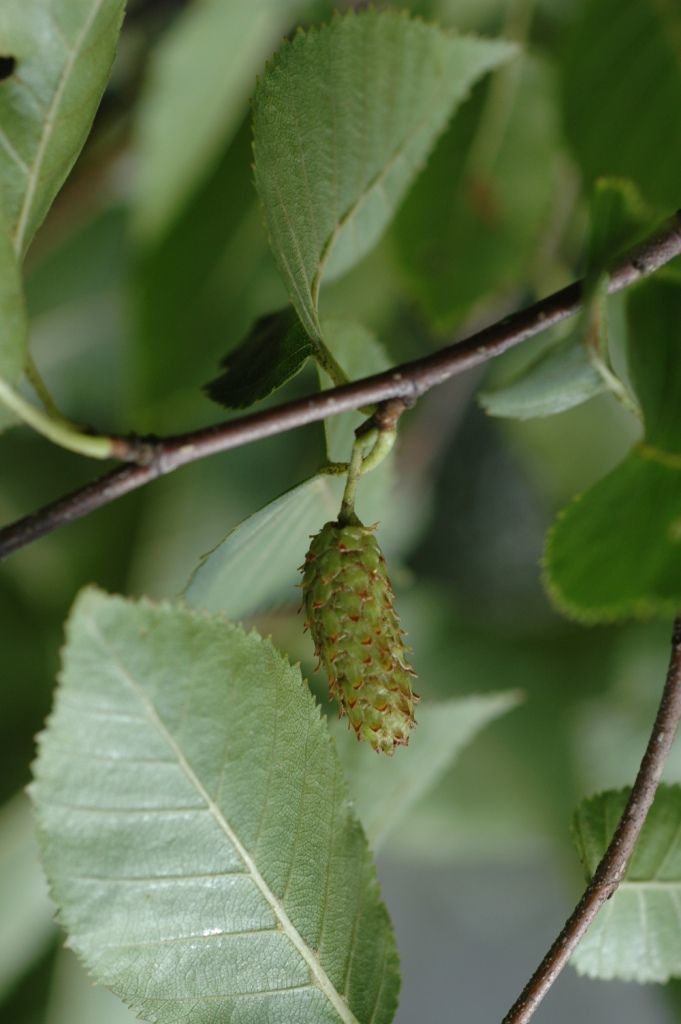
x=343, y=120
x=257, y=563
x=637, y=934
x=196, y=832
x=559, y=379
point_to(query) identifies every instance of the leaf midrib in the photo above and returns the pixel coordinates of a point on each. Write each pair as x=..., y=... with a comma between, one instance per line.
x=35, y=167
x=372, y=186
x=322, y=979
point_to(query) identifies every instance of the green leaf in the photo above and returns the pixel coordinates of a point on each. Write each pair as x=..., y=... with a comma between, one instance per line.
x=343, y=119
x=578, y=367
x=63, y=51
x=196, y=829
x=257, y=563
x=561, y=377
x=637, y=934
x=618, y=219
x=13, y=324
x=470, y=227
x=616, y=551
x=26, y=912
x=654, y=312
x=274, y=351
x=199, y=79
x=385, y=790
x=635, y=71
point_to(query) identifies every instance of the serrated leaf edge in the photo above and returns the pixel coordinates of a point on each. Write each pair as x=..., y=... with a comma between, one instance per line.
x=640, y=609
x=322, y=981
x=272, y=67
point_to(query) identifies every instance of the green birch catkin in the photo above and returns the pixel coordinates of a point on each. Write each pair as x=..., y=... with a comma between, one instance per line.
x=348, y=602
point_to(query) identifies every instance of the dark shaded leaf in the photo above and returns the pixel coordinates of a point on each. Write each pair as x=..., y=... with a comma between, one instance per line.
x=275, y=350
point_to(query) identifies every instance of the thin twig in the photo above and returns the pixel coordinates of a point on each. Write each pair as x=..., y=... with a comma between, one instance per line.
x=157, y=456
x=612, y=867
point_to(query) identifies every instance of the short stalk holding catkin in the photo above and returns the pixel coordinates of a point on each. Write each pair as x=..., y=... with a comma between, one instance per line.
x=348, y=601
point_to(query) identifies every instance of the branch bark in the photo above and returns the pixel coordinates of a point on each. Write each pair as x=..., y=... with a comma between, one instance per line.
x=613, y=865
x=155, y=457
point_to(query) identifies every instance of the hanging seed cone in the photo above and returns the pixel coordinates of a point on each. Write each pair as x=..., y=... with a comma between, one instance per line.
x=349, y=609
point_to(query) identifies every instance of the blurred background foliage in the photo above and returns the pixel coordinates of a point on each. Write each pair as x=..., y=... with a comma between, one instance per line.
x=154, y=263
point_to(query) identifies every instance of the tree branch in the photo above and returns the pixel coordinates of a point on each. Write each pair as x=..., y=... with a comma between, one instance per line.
x=613, y=865
x=157, y=456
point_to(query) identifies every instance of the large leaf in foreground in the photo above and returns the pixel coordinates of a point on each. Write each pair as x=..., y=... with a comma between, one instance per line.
x=342, y=121
x=637, y=934
x=385, y=789
x=63, y=52
x=196, y=828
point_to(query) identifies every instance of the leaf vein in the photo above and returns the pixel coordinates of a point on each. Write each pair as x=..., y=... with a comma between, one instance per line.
x=322, y=980
x=48, y=126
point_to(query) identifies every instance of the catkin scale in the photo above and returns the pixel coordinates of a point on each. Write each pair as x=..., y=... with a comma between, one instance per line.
x=348, y=602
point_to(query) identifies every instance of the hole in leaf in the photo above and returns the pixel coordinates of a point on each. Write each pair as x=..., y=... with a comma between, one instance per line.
x=7, y=66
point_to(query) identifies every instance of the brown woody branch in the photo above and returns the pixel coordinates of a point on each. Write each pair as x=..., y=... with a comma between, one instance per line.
x=154, y=457
x=612, y=867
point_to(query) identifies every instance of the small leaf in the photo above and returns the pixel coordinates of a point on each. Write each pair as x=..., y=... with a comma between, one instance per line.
x=578, y=367
x=469, y=229
x=256, y=565
x=63, y=54
x=617, y=135
x=274, y=351
x=342, y=121
x=637, y=934
x=385, y=791
x=562, y=377
x=200, y=75
x=616, y=551
x=26, y=926
x=196, y=829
